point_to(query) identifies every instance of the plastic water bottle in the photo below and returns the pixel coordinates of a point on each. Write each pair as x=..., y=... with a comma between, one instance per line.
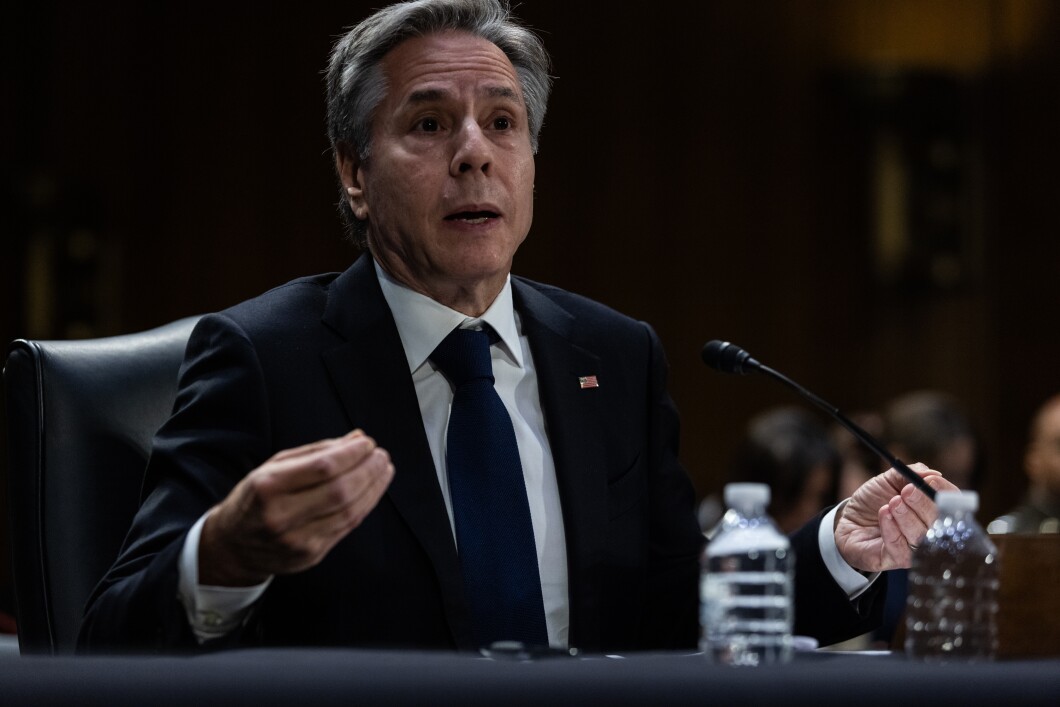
x=953, y=582
x=746, y=586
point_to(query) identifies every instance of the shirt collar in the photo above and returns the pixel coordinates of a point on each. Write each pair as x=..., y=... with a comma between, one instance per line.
x=422, y=323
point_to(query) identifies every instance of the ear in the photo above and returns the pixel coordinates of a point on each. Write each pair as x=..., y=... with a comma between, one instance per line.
x=348, y=166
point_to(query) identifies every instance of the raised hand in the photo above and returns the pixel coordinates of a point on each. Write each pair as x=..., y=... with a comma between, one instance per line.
x=287, y=514
x=886, y=518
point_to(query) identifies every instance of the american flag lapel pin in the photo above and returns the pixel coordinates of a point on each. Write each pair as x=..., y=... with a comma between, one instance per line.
x=588, y=382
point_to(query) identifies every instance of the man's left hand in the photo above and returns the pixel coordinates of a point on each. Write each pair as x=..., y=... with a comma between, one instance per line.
x=886, y=518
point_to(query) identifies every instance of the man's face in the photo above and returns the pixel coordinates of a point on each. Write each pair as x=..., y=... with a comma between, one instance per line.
x=1043, y=455
x=956, y=460
x=448, y=185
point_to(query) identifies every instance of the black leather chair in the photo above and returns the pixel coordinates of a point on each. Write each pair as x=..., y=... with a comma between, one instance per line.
x=81, y=416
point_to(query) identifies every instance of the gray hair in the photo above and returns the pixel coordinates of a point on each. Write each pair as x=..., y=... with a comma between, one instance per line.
x=356, y=85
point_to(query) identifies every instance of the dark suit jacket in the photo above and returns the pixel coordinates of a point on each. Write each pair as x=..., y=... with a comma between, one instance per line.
x=320, y=356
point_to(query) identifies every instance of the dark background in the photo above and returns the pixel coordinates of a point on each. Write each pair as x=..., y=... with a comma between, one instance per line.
x=862, y=193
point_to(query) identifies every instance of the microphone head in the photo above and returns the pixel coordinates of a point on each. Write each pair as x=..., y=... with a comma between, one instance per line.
x=728, y=358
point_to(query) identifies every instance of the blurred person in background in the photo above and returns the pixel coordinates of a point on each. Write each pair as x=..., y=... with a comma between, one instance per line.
x=930, y=427
x=788, y=449
x=859, y=463
x=1039, y=512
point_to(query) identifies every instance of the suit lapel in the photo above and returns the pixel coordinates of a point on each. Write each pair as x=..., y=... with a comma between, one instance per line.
x=372, y=379
x=573, y=418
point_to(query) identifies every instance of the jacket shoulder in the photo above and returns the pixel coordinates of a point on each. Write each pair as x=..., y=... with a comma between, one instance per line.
x=588, y=311
x=301, y=298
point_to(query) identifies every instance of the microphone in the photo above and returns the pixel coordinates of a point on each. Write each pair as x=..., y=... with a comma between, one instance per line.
x=730, y=358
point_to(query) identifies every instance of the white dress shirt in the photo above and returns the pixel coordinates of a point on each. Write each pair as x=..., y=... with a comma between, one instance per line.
x=422, y=323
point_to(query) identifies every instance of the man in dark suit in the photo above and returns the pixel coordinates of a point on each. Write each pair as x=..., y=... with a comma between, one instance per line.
x=266, y=520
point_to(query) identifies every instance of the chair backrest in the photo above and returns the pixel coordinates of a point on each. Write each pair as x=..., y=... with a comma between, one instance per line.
x=81, y=417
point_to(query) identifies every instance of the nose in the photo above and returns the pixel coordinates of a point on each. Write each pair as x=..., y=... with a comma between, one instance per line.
x=472, y=153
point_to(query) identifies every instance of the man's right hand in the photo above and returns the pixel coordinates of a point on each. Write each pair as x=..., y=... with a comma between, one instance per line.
x=287, y=514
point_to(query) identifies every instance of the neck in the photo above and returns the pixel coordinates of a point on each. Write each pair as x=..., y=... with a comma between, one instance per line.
x=472, y=301
x=469, y=297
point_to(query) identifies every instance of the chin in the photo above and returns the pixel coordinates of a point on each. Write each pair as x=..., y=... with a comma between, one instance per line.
x=475, y=259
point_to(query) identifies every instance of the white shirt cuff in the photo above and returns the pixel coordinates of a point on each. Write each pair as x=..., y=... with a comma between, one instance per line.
x=212, y=611
x=854, y=583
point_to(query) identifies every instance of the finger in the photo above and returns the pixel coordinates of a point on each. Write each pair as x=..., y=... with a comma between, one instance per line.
x=304, y=450
x=941, y=483
x=909, y=522
x=311, y=448
x=925, y=472
x=889, y=530
x=284, y=495
x=311, y=540
x=897, y=480
x=345, y=499
x=305, y=471
x=896, y=550
x=918, y=501
x=355, y=493
x=369, y=498
x=299, y=530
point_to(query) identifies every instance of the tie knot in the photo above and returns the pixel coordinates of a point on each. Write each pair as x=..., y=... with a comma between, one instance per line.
x=464, y=355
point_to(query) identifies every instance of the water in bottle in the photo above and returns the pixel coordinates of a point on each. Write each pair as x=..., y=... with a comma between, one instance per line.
x=953, y=583
x=746, y=586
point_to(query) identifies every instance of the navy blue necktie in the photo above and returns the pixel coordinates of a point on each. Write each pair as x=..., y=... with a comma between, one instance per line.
x=494, y=534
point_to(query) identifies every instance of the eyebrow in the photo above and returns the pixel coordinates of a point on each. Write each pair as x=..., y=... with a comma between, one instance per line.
x=501, y=92
x=428, y=95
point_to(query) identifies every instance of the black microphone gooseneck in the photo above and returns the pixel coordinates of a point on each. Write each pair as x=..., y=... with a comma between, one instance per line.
x=729, y=358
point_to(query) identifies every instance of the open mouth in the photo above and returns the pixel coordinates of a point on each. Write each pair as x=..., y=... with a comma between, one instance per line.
x=472, y=217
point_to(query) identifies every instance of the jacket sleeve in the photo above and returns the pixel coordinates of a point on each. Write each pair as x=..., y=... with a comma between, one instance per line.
x=218, y=432
x=822, y=608
x=675, y=540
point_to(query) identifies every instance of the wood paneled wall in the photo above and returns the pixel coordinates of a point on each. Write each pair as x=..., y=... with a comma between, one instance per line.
x=701, y=168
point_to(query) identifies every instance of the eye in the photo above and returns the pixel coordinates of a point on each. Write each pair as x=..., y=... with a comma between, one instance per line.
x=502, y=123
x=428, y=125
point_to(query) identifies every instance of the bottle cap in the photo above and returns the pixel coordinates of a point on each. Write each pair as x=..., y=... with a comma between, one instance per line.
x=742, y=495
x=951, y=501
